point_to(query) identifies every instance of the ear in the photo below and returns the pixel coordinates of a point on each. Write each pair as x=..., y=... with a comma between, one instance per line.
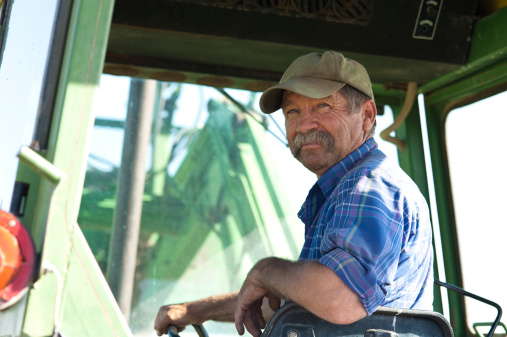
x=369, y=112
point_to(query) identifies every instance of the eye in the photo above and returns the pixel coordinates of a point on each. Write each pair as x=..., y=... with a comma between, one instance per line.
x=289, y=112
x=323, y=105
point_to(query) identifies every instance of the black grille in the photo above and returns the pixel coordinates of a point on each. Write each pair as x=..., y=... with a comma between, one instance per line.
x=349, y=11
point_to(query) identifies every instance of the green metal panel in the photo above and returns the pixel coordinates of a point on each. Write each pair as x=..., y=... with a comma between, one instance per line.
x=412, y=161
x=88, y=307
x=489, y=46
x=76, y=287
x=489, y=38
x=268, y=196
x=447, y=227
x=470, y=88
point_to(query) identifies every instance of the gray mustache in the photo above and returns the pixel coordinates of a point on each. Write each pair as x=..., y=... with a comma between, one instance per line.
x=313, y=136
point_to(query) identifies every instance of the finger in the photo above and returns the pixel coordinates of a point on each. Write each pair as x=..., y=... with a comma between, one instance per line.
x=239, y=317
x=157, y=319
x=260, y=319
x=159, y=325
x=274, y=303
x=162, y=329
x=247, y=318
x=252, y=325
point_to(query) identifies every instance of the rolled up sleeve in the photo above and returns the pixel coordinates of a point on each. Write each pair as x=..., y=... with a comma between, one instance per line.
x=363, y=237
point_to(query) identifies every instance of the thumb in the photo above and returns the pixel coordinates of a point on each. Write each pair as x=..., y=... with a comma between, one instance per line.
x=274, y=302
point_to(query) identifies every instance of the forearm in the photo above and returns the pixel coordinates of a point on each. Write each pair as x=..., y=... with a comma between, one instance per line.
x=311, y=285
x=217, y=308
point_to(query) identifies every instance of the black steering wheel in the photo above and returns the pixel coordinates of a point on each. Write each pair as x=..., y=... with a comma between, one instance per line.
x=172, y=331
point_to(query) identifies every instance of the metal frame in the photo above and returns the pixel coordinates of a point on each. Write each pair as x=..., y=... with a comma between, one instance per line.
x=70, y=288
x=485, y=75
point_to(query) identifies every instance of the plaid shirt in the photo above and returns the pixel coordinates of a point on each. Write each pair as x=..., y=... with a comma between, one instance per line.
x=367, y=221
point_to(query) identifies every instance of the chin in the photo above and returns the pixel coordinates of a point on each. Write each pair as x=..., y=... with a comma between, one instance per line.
x=313, y=167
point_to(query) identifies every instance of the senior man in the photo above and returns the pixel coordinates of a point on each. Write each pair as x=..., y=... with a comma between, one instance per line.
x=367, y=230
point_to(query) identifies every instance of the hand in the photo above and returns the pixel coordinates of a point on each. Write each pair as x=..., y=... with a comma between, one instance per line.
x=249, y=306
x=176, y=314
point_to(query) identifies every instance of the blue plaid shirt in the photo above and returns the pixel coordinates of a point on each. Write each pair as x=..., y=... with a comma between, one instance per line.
x=367, y=221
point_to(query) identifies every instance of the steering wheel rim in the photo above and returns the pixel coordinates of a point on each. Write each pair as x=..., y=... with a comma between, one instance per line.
x=172, y=331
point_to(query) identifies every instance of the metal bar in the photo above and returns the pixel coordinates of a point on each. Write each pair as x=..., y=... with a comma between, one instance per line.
x=478, y=298
x=127, y=218
x=405, y=110
x=435, y=223
x=4, y=24
x=52, y=73
x=478, y=324
x=40, y=165
x=463, y=71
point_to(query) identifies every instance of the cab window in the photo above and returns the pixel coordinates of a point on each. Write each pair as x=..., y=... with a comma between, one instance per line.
x=476, y=155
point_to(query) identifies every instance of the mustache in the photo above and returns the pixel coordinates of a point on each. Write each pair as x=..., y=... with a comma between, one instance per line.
x=312, y=137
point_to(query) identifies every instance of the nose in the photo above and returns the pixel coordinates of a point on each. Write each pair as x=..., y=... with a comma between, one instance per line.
x=307, y=121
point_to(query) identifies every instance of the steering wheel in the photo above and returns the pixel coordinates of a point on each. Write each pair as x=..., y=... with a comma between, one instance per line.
x=172, y=331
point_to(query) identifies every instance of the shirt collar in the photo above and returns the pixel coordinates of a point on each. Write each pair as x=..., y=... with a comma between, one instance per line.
x=328, y=181
x=326, y=184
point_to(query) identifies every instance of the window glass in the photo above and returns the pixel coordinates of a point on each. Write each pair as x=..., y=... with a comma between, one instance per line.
x=383, y=122
x=23, y=61
x=221, y=192
x=475, y=136
x=3, y=7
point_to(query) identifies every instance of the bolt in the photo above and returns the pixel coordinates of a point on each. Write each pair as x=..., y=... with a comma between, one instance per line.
x=12, y=223
x=292, y=333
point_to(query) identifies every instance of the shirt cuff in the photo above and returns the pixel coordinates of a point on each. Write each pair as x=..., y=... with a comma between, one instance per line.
x=360, y=278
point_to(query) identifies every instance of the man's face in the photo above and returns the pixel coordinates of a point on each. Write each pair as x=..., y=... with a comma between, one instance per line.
x=321, y=132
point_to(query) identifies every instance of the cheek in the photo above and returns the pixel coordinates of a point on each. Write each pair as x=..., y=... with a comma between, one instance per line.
x=353, y=126
x=360, y=126
x=290, y=130
x=290, y=140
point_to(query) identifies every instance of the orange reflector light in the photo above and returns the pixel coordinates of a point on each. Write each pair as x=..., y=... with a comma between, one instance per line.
x=17, y=258
x=10, y=257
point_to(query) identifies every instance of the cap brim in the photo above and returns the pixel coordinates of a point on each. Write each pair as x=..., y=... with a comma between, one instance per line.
x=271, y=99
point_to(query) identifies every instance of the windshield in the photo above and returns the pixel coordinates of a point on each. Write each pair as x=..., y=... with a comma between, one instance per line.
x=221, y=191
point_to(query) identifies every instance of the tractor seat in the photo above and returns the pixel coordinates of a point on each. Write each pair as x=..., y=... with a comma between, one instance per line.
x=293, y=320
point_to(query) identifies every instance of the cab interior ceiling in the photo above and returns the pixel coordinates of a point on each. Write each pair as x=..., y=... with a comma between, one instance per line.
x=247, y=44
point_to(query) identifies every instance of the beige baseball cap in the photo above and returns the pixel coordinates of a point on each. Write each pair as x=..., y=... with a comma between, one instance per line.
x=317, y=75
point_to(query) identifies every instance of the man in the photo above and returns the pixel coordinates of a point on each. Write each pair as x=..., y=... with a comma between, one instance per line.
x=367, y=231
